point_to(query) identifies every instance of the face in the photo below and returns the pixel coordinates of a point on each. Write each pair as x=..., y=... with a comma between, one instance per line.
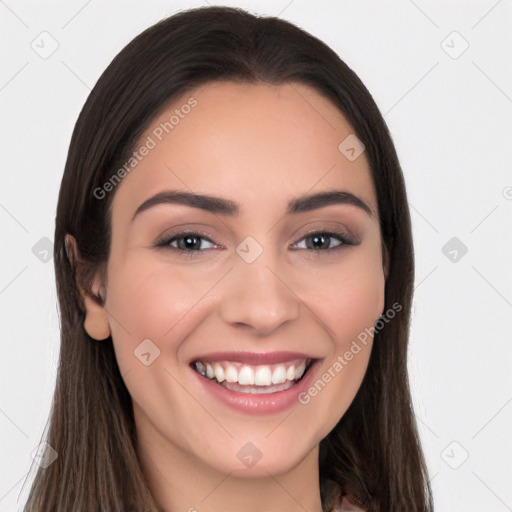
x=250, y=286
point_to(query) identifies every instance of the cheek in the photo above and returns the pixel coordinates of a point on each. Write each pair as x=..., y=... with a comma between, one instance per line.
x=349, y=297
x=148, y=300
x=349, y=303
x=357, y=307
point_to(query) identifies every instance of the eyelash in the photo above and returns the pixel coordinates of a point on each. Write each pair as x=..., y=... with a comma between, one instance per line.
x=164, y=242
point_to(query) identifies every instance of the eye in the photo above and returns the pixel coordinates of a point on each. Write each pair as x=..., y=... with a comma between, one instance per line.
x=320, y=240
x=186, y=242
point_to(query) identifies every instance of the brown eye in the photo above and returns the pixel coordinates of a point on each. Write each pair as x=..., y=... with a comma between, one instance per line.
x=321, y=241
x=186, y=242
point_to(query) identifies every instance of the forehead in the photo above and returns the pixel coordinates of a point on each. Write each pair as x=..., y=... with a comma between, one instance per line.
x=253, y=143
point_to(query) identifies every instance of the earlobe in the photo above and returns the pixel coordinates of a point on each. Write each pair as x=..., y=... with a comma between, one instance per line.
x=96, y=321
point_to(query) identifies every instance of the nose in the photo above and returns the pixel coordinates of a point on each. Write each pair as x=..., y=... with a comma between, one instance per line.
x=258, y=297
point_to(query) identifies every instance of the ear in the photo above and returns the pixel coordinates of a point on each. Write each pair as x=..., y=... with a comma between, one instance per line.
x=93, y=295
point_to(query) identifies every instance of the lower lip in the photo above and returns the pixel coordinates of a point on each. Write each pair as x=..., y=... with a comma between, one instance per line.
x=264, y=403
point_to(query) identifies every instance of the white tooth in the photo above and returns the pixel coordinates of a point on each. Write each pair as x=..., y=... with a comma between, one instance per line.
x=279, y=375
x=246, y=376
x=231, y=373
x=263, y=376
x=299, y=371
x=219, y=372
x=259, y=389
x=290, y=373
x=209, y=371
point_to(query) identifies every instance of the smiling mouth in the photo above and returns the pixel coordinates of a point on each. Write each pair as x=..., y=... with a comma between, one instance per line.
x=254, y=379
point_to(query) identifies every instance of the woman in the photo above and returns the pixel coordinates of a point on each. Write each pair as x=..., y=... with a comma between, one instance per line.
x=234, y=267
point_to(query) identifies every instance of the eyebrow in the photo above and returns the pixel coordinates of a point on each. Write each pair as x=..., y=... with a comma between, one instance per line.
x=226, y=207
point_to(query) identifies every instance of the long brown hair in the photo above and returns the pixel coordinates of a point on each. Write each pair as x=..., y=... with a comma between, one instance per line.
x=374, y=452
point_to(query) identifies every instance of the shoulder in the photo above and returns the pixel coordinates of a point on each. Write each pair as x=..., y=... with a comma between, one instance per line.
x=347, y=505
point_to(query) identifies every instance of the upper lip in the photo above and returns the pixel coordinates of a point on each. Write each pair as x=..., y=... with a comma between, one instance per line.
x=255, y=358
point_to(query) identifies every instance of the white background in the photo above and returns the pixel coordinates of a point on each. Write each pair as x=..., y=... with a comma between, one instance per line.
x=450, y=119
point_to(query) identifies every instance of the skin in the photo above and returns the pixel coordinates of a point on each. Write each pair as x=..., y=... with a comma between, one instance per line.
x=258, y=145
